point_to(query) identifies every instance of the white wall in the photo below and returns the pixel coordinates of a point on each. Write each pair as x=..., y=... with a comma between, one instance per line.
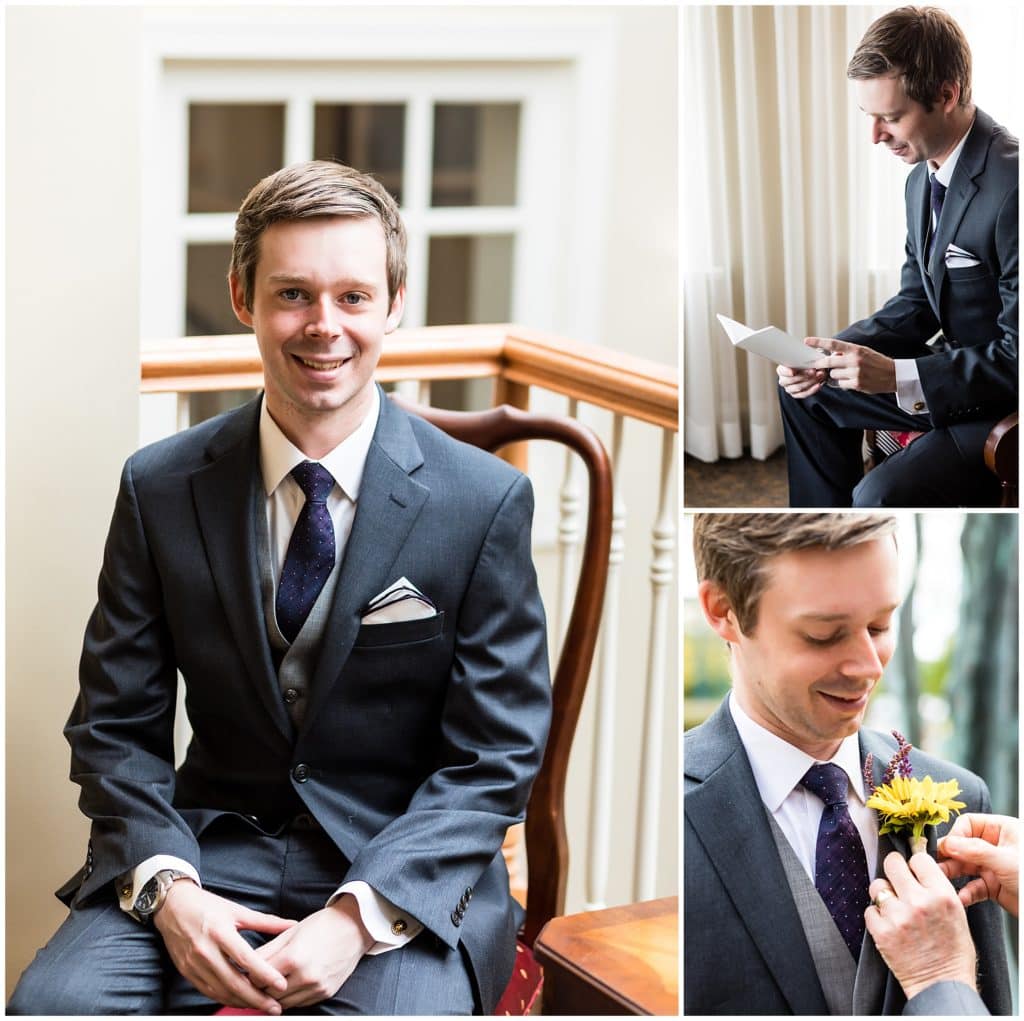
x=73, y=182
x=72, y=381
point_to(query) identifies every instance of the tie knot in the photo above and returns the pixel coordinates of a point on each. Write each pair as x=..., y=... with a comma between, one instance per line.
x=314, y=480
x=828, y=782
x=938, y=190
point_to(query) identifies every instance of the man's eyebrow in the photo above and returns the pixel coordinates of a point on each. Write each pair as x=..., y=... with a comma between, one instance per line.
x=826, y=617
x=299, y=279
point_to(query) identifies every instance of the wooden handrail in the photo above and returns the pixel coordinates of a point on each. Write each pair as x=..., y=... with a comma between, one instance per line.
x=622, y=383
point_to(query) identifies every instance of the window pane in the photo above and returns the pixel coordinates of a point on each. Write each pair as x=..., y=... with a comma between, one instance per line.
x=476, y=148
x=207, y=304
x=231, y=146
x=367, y=136
x=470, y=280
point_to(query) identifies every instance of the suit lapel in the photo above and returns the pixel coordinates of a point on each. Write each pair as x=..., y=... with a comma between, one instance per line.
x=389, y=503
x=962, y=189
x=728, y=817
x=876, y=991
x=227, y=492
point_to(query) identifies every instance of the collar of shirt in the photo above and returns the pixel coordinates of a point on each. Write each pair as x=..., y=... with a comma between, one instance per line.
x=779, y=766
x=278, y=455
x=944, y=174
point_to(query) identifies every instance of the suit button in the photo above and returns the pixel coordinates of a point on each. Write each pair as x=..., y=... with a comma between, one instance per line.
x=398, y=926
x=456, y=919
x=469, y=893
x=291, y=696
x=919, y=405
x=301, y=773
x=88, y=869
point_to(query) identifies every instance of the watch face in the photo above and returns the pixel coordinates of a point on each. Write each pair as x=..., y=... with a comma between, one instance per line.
x=147, y=897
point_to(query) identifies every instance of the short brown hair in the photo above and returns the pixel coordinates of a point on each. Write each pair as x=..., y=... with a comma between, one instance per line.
x=306, y=190
x=734, y=550
x=923, y=45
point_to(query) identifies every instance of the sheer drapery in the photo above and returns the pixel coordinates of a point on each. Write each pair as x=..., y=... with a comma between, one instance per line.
x=790, y=216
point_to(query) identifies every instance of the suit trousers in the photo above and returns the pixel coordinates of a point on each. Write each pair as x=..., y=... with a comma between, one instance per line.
x=101, y=961
x=824, y=435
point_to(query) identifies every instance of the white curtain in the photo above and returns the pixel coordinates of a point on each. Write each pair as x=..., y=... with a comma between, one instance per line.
x=790, y=216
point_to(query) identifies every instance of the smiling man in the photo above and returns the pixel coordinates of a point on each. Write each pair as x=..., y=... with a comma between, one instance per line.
x=779, y=845
x=940, y=358
x=349, y=597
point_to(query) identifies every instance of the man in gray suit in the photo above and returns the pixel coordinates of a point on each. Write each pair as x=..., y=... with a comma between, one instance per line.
x=940, y=357
x=350, y=599
x=773, y=906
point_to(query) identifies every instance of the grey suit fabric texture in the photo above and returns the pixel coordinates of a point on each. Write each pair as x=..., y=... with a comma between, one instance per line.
x=420, y=739
x=746, y=949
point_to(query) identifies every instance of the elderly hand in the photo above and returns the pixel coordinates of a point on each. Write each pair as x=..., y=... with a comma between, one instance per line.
x=919, y=925
x=853, y=367
x=985, y=846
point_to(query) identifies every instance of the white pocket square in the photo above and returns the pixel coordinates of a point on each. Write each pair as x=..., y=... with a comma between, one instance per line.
x=960, y=258
x=399, y=601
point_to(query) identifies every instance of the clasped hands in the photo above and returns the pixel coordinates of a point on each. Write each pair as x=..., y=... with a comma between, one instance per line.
x=917, y=919
x=847, y=366
x=304, y=963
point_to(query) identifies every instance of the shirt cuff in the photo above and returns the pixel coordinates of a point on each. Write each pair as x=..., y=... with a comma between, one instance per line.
x=909, y=393
x=389, y=926
x=129, y=884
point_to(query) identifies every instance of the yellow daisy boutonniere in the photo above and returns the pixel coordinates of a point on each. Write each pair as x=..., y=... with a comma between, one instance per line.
x=906, y=804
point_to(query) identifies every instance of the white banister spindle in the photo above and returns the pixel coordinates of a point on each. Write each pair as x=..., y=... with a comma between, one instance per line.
x=662, y=570
x=184, y=411
x=603, y=765
x=411, y=390
x=423, y=393
x=568, y=536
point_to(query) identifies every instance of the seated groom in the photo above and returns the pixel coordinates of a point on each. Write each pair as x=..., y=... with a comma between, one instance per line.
x=349, y=596
x=940, y=357
x=779, y=846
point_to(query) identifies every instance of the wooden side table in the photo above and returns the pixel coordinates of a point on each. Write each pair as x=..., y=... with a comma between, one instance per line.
x=621, y=960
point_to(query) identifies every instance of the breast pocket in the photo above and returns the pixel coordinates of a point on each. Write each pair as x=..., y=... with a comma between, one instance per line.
x=401, y=632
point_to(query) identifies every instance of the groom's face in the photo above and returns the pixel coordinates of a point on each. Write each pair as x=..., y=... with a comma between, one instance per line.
x=822, y=638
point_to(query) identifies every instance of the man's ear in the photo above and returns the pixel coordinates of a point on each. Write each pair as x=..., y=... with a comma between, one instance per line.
x=242, y=314
x=949, y=96
x=395, y=313
x=718, y=611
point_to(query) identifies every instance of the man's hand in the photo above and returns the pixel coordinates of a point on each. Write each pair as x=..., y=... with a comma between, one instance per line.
x=318, y=955
x=985, y=846
x=920, y=926
x=201, y=933
x=800, y=382
x=853, y=367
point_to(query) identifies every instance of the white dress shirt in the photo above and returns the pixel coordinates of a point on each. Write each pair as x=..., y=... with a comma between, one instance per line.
x=285, y=499
x=778, y=768
x=909, y=392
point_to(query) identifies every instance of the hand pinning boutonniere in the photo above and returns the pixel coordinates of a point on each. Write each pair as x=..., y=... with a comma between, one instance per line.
x=906, y=804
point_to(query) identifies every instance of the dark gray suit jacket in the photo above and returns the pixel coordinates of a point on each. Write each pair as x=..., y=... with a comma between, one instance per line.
x=974, y=307
x=744, y=948
x=422, y=738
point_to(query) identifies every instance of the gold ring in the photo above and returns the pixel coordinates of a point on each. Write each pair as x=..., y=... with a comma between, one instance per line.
x=881, y=897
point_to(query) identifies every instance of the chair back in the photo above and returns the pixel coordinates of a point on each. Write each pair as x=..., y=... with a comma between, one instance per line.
x=547, y=850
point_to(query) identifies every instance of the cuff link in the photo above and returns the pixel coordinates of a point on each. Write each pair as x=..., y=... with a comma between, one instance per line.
x=398, y=926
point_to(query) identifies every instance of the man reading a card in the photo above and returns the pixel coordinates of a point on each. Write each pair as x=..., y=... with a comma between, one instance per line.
x=349, y=597
x=939, y=358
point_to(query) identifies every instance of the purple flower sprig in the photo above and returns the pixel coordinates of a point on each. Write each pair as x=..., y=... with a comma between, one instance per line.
x=899, y=764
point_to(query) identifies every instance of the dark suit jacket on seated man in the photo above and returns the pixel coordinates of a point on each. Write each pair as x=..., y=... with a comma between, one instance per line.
x=960, y=277
x=771, y=925
x=364, y=656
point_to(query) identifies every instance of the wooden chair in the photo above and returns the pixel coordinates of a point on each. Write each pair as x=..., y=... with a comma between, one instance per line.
x=1000, y=453
x=547, y=849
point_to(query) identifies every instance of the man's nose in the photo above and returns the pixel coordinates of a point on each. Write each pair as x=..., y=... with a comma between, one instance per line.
x=878, y=132
x=323, y=319
x=861, y=658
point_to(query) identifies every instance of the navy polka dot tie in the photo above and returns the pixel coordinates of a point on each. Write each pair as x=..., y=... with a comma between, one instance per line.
x=310, y=556
x=840, y=866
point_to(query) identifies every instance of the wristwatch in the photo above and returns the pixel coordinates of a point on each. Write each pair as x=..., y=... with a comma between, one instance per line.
x=151, y=896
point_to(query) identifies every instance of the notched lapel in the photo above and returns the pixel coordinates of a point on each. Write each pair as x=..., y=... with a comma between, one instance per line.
x=226, y=493
x=390, y=501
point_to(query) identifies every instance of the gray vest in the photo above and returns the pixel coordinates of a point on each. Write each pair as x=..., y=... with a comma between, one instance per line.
x=836, y=968
x=296, y=662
